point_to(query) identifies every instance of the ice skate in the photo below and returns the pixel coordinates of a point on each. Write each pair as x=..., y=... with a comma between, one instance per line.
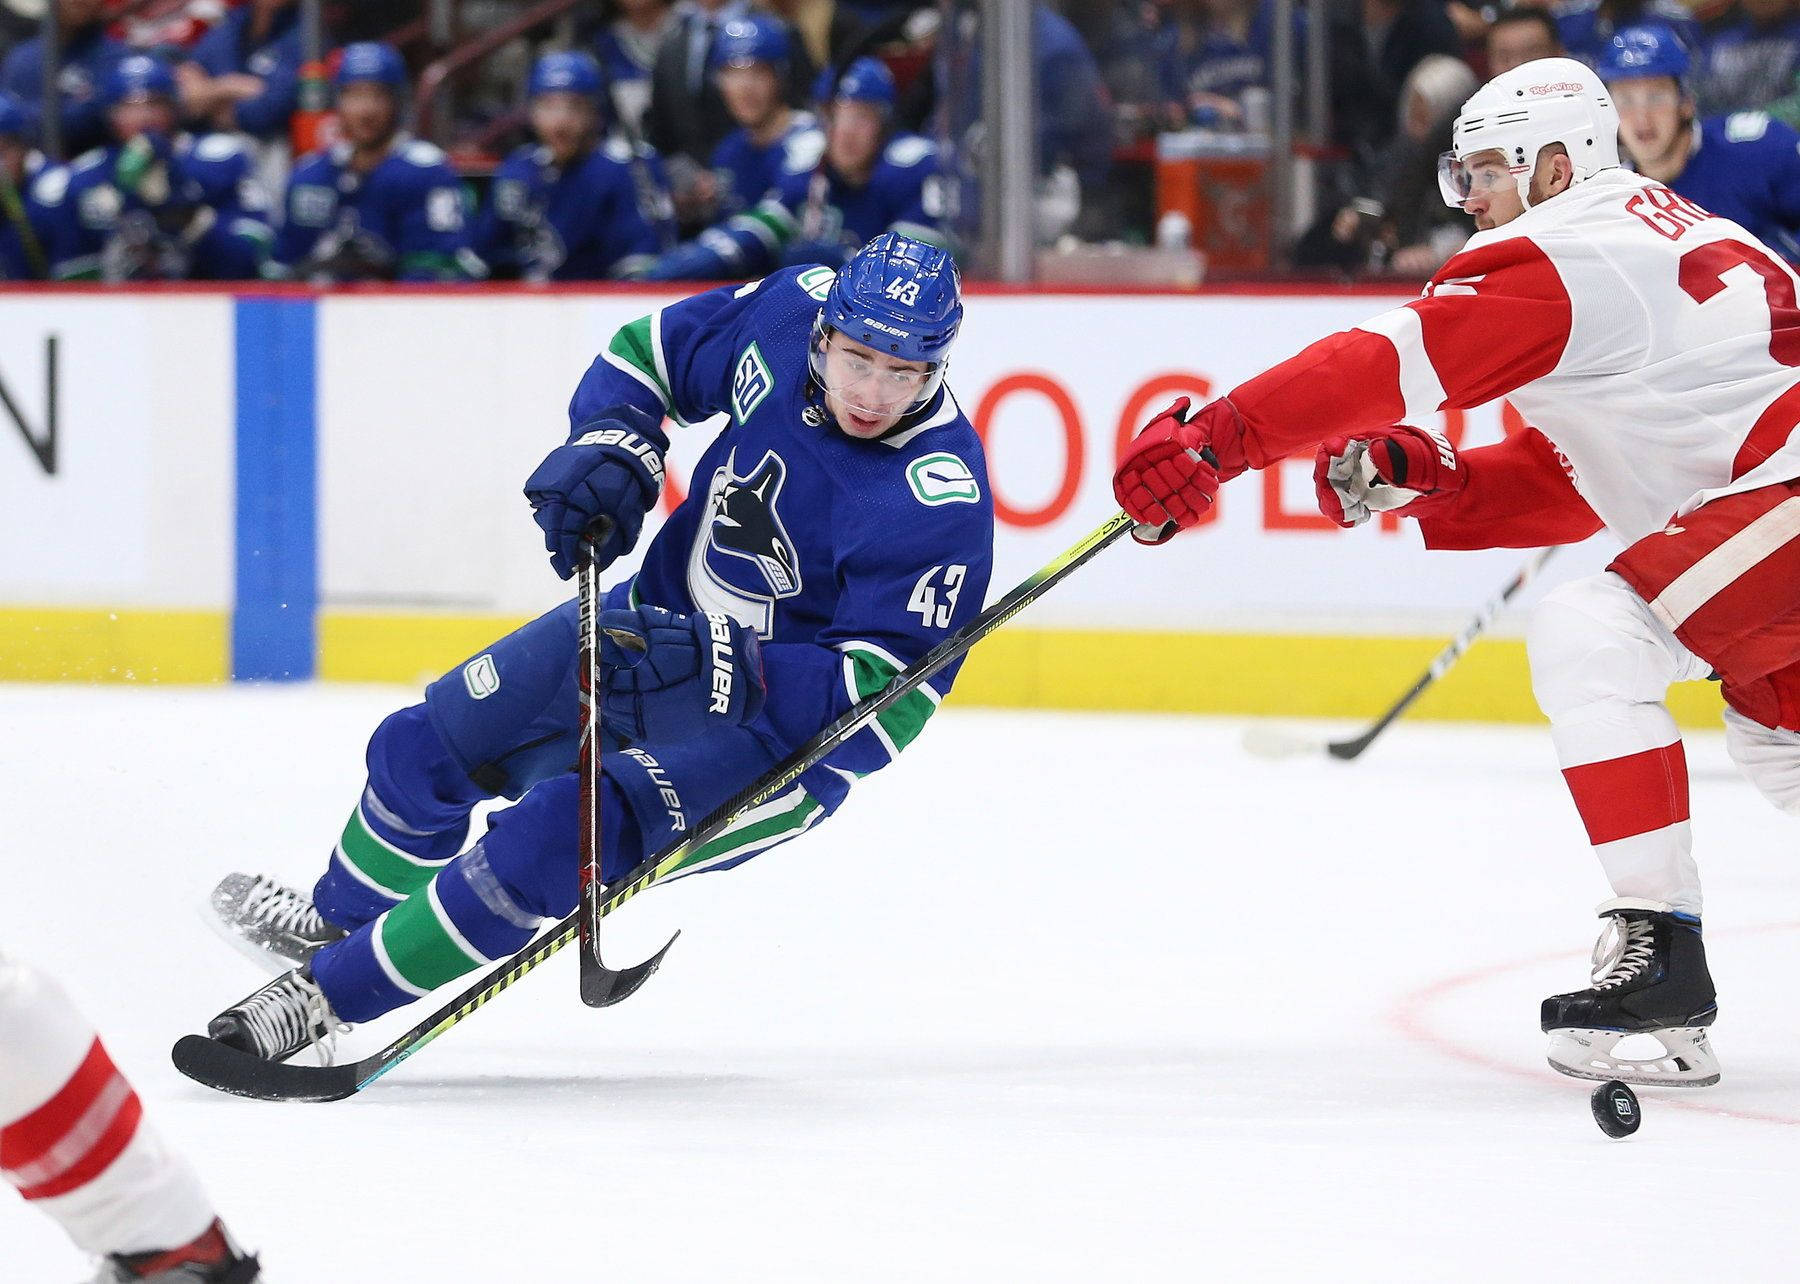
x=212, y=1258
x=286, y=1016
x=272, y=925
x=1650, y=979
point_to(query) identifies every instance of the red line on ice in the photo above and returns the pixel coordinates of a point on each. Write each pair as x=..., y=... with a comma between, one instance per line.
x=1411, y=1016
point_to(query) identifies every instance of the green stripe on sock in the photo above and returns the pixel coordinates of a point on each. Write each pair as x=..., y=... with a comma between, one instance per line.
x=631, y=344
x=763, y=831
x=420, y=946
x=907, y=717
x=378, y=862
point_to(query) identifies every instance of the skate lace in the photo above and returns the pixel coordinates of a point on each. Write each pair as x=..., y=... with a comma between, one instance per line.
x=282, y=908
x=1624, y=950
x=289, y=1012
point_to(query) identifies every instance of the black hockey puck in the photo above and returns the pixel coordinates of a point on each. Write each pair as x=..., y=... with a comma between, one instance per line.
x=1616, y=1109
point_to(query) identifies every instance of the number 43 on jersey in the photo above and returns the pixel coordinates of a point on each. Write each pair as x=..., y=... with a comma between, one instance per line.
x=933, y=610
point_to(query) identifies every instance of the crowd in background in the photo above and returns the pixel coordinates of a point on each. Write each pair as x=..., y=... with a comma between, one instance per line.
x=710, y=139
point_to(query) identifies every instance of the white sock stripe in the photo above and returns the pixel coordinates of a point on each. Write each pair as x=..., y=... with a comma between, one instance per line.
x=450, y=928
x=774, y=840
x=403, y=854
x=386, y=816
x=80, y=1139
x=1705, y=579
x=387, y=963
x=350, y=867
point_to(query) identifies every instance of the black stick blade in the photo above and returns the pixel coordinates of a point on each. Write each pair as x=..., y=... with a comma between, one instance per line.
x=226, y=1069
x=601, y=986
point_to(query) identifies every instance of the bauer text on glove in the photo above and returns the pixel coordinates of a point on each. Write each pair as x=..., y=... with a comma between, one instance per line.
x=612, y=467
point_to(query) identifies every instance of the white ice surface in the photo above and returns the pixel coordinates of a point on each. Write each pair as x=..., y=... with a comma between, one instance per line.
x=1058, y=998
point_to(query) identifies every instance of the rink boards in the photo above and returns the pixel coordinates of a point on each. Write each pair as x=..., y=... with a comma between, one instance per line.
x=281, y=484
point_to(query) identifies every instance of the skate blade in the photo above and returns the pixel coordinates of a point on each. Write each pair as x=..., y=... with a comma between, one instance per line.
x=1687, y=1059
x=265, y=960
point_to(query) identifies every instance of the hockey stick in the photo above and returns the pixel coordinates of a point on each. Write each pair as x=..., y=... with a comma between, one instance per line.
x=229, y=1070
x=1277, y=742
x=601, y=986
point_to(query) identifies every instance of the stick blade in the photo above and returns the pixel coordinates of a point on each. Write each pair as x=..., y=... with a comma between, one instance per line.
x=226, y=1069
x=601, y=986
x=1266, y=740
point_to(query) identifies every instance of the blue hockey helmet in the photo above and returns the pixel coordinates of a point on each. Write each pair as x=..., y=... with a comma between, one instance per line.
x=15, y=121
x=867, y=80
x=567, y=71
x=370, y=62
x=136, y=76
x=898, y=296
x=751, y=39
x=1642, y=52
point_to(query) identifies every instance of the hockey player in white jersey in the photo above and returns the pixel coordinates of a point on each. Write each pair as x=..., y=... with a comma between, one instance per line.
x=74, y=1143
x=1655, y=349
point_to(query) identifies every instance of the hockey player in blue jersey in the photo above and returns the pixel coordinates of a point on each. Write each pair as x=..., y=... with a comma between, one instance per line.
x=1744, y=167
x=379, y=204
x=838, y=528
x=750, y=64
x=870, y=180
x=156, y=205
x=22, y=217
x=574, y=206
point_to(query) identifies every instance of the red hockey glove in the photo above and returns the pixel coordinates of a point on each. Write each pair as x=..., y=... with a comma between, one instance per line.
x=1402, y=468
x=1169, y=474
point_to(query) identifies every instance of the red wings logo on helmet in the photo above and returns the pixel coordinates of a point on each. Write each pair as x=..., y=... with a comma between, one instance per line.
x=1559, y=87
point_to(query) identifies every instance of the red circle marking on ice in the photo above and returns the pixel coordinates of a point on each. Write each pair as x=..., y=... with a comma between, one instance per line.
x=1411, y=1017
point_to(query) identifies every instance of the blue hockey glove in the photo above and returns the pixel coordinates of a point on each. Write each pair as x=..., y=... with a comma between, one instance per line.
x=611, y=467
x=668, y=677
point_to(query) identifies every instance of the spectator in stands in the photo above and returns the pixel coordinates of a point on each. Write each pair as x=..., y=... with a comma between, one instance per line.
x=750, y=62
x=88, y=54
x=871, y=180
x=1374, y=46
x=245, y=73
x=1749, y=61
x=1126, y=41
x=1400, y=226
x=1587, y=26
x=1745, y=167
x=378, y=204
x=22, y=216
x=1211, y=51
x=574, y=206
x=687, y=118
x=627, y=47
x=1519, y=36
x=156, y=205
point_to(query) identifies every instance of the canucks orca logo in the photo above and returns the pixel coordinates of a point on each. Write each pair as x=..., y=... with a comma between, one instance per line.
x=743, y=560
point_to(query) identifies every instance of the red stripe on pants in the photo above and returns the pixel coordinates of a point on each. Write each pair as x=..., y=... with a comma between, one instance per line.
x=75, y=1136
x=1636, y=794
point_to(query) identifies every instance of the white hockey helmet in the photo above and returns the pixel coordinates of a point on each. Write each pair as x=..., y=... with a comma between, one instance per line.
x=1549, y=100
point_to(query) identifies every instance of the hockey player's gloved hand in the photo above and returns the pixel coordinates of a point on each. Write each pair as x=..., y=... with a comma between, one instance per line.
x=1401, y=468
x=668, y=677
x=612, y=467
x=1168, y=476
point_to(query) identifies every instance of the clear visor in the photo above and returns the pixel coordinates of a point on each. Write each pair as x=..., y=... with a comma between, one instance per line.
x=1480, y=175
x=871, y=387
